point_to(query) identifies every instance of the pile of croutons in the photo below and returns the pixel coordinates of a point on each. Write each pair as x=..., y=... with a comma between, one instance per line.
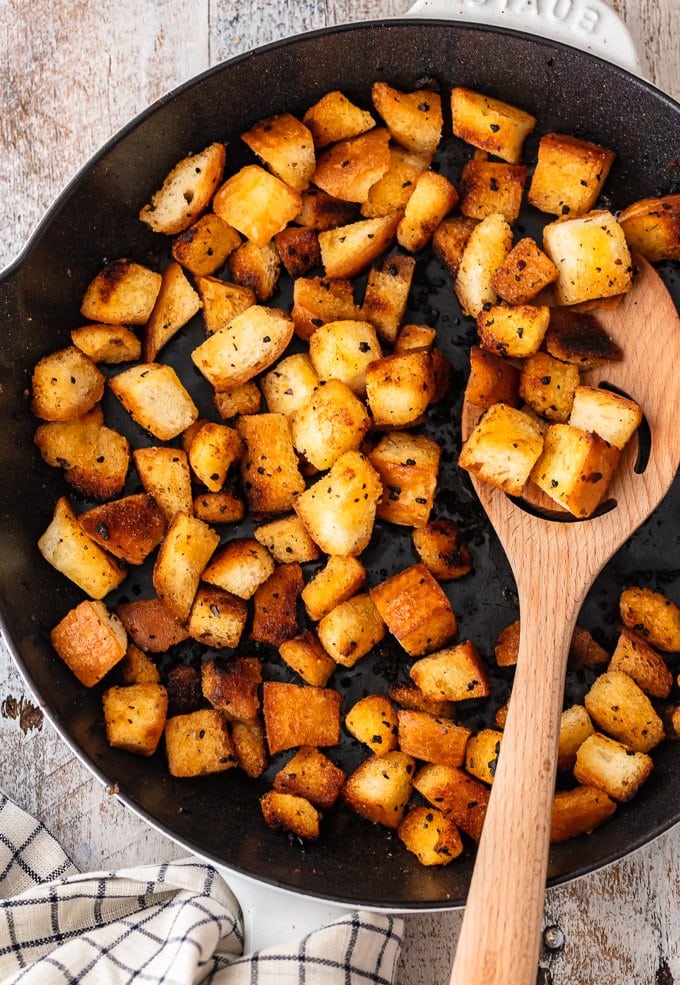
x=345, y=383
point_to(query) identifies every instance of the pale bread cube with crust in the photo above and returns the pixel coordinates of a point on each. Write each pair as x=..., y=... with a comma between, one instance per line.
x=569, y=174
x=222, y=301
x=205, y=245
x=414, y=119
x=256, y=267
x=123, y=293
x=332, y=422
x=107, y=343
x=431, y=201
x=249, y=344
x=575, y=468
x=182, y=557
x=176, y=304
x=90, y=640
x=347, y=250
x=287, y=540
x=380, y=788
x=575, y=727
x=256, y=203
x=393, y=190
x=613, y=417
x=386, y=297
x=286, y=146
x=485, y=252
x=373, y=721
x=67, y=547
x=653, y=616
x=311, y=775
x=156, y=399
x=621, y=709
x=490, y=124
x=66, y=384
x=503, y=448
x=408, y=466
x=351, y=630
x=213, y=450
x=453, y=674
x=342, y=350
x=217, y=619
x=516, y=332
x=289, y=384
x=416, y=610
x=286, y=812
x=198, y=743
x=240, y=567
x=339, y=580
x=165, y=475
x=134, y=717
x=652, y=227
x=611, y=767
x=334, y=117
x=431, y=836
x=592, y=257
x=186, y=191
x=348, y=169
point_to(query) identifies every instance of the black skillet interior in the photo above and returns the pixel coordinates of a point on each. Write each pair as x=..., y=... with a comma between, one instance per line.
x=95, y=220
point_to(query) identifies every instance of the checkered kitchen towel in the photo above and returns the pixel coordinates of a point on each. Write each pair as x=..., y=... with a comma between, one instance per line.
x=176, y=924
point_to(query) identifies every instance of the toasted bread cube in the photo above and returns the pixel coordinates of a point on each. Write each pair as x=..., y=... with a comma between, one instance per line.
x=451, y=238
x=400, y=387
x=575, y=468
x=176, y=304
x=243, y=399
x=569, y=174
x=611, y=767
x=454, y=674
x=107, y=343
x=490, y=124
x=165, y=476
x=186, y=191
x=290, y=384
x=90, y=640
x=335, y=118
x=652, y=616
x=270, y=471
x=408, y=466
x=516, y=332
x=198, y=743
x=575, y=727
x=339, y=510
x=548, y=386
x=414, y=119
x=442, y=550
x=233, y=689
x=240, y=567
x=507, y=645
x=460, y=797
x=431, y=201
x=432, y=837
x=373, y=721
x=487, y=187
x=613, y=417
x=102, y=472
x=249, y=344
x=585, y=652
x=284, y=812
x=128, y=528
x=342, y=578
x=341, y=350
x=64, y=444
x=257, y=268
x=321, y=211
x=183, y=683
x=275, y=617
x=598, y=236
x=217, y=618
x=492, y=380
x=219, y=507
x=351, y=630
x=67, y=547
x=622, y=710
x=204, y=246
x=501, y=716
x=222, y=301
x=349, y=168
x=526, y=271
x=317, y=301
x=287, y=540
x=137, y=667
x=481, y=754
x=286, y=146
x=393, y=190
x=411, y=698
x=332, y=422
x=298, y=249
x=386, y=297
x=249, y=746
x=416, y=611
x=256, y=203
x=184, y=553
x=576, y=337
x=485, y=252
x=300, y=716
x=503, y=448
x=347, y=250
x=432, y=739
x=66, y=384
x=414, y=337
x=149, y=624
x=305, y=655
x=156, y=399
x=134, y=717
x=123, y=293
x=578, y=812
x=380, y=788
x=214, y=449
x=311, y=775
x=652, y=227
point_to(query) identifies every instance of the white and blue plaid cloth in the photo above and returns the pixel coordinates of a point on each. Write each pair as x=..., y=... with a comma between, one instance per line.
x=175, y=924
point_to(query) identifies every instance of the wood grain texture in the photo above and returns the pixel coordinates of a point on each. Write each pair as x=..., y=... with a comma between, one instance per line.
x=71, y=73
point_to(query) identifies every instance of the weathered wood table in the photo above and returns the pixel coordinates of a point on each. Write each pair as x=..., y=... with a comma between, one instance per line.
x=72, y=73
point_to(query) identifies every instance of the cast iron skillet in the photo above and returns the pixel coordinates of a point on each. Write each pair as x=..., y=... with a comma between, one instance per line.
x=95, y=220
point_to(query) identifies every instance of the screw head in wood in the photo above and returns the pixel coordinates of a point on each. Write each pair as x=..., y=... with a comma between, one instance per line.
x=553, y=938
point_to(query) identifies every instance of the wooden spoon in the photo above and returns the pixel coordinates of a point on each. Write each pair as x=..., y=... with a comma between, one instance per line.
x=554, y=564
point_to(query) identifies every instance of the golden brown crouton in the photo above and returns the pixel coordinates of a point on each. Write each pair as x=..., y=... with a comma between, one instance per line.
x=318, y=301
x=256, y=268
x=128, y=528
x=548, y=386
x=256, y=203
x=137, y=667
x=414, y=337
x=156, y=399
x=300, y=716
x=408, y=466
x=243, y=399
x=107, y=343
x=333, y=421
x=275, y=616
x=250, y=748
x=411, y=698
x=198, y=743
x=516, y=332
x=67, y=547
x=400, y=387
x=342, y=350
x=347, y=250
x=487, y=187
x=432, y=837
x=485, y=252
x=289, y=384
x=286, y=147
x=611, y=767
x=386, y=297
x=134, y=717
x=501, y=716
x=442, y=550
x=577, y=812
x=490, y=124
x=123, y=293
x=233, y=688
x=585, y=652
x=492, y=380
x=652, y=227
x=205, y=245
x=176, y=304
x=416, y=611
x=432, y=199
x=450, y=240
x=64, y=444
x=460, y=797
x=222, y=301
x=349, y=168
x=182, y=557
x=623, y=711
x=569, y=174
x=393, y=190
x=576, y=337
x=287, y=540
x=380, y=788
x=298, y=249
x=635, y=657
x=321, y=211
x=454, y=674
x=575, y=468
x=341, y=578
x=335, y=118
x=150, y=625
x=90, y=640
x=351, y=630
x=284, y=812
x=240, y=567
x=652, y=616
x=507, y=645
x=217, y=619
x=575, y=727
x=249, y=344
x=432, y=739
x=165, y=475
x=311, y=775
x=503, y=448
x=481, y=754
x=598, y=236
x=305, y=655
x=414, y=118
x=213, y=450
x=186, y=191
x=65, y=384
x=373, y=721
x=269, y=468
x=613, y=417
x=526, y=271
x=95, y=458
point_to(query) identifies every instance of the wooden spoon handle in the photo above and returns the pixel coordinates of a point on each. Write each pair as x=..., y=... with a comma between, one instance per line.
x=500, y=936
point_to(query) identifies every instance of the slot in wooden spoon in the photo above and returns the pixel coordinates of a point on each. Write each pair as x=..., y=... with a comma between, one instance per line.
x=554, y=564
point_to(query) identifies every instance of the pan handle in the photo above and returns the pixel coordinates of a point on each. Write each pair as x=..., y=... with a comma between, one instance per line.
x=590, y=25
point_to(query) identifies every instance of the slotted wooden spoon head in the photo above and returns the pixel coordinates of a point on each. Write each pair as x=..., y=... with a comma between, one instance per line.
x=555, y=563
